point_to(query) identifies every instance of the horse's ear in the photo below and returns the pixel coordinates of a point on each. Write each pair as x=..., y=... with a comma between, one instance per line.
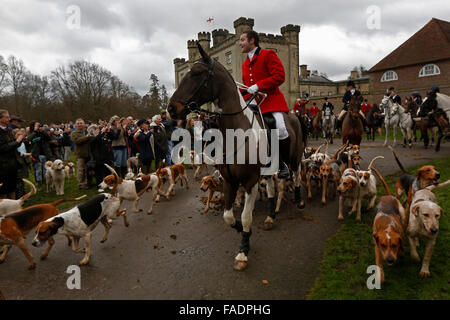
x=204, y=55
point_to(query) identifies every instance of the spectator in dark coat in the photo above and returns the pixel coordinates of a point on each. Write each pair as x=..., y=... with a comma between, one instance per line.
x=66, y=143
x=9, y=161
x=143, y=136
x=161, y=144
x=101, y=149
x=38, y=144
x=170, y=126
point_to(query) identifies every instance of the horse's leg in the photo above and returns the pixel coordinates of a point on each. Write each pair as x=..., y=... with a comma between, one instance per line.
x=395, y=136
x=241, y=260
x=438, y=144
x=387, y=133
x=270, y=187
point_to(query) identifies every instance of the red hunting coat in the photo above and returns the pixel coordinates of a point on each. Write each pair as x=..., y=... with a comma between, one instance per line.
x=267, y=71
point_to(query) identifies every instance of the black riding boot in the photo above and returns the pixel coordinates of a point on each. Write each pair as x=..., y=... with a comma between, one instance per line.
x=364, y=122
x=283, y=172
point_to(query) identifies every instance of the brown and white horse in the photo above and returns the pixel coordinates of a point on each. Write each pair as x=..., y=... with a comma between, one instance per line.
x=209, y=81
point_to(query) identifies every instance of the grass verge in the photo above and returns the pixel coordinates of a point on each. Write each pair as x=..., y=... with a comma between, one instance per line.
x=343, y=267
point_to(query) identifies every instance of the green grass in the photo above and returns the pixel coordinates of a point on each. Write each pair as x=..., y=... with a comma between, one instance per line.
x=344, y=264
x=70, y=191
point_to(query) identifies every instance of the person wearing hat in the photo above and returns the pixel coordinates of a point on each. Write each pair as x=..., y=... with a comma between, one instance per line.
x=143, y=136
x=435, y=89
x=327, y=104
x=170, y=126
x=416, y=97
x=349, y=93
x=15, y=122
x=394, y=96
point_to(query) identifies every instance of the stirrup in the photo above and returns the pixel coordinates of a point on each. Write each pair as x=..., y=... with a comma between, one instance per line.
x=283, y=171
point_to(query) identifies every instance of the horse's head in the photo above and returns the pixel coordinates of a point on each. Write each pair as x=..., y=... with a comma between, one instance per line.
x=197, y=87
x=355, y=105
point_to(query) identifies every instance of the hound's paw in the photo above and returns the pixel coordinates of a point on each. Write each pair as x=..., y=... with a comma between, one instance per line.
x=81, y=250
x=84, y=262
x=43, y=256
x=32, y=266
x=340, y=218
x=415, y=257
x=424, y=273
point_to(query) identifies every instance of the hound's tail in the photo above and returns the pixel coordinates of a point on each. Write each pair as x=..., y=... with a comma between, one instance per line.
x=398, y=161
x=373, y=160
x=29, y=194
x=440, y=185
x=386, y=188
x=57, y=202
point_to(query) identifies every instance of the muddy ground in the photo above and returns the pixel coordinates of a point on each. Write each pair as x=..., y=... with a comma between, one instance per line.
x=181, y=253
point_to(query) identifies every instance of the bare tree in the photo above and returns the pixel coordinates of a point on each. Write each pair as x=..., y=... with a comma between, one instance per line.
x=17, y=73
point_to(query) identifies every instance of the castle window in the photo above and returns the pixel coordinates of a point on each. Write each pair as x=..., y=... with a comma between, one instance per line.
x=228, y=57
x=389, y=76
x=429, y=70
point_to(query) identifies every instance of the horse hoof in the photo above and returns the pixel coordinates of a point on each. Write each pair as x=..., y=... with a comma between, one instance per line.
x=268, y=223
x=240, y=265
x=301, y=205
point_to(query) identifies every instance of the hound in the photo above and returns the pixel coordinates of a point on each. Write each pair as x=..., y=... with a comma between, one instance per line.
x=130, y=190
x=48, y=175
x=197, y=163
x=282, y=185
x=69, y=169
x=310, y=173
x=213, y=183
x=348, y=188
x=330, y=173
x=367, y=186
x=58, y=175
x=389, y=226
x=14, y=227
x=426, y=176
x=8, y=205
x=79, y=222
x=172, y=173
x=133, y=164
x=424, y=223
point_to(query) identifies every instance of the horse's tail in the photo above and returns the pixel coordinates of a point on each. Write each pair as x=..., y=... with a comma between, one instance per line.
x=398, y=161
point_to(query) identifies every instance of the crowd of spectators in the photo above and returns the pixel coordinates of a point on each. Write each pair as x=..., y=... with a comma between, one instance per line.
x=26, y=147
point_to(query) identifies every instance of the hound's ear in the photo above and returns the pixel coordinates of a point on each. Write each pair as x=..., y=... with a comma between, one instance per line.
x=415, y=210
x=54, y=166
x=204, y=55
x=375, y=237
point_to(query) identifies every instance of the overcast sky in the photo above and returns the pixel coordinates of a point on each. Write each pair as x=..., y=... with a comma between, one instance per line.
x=135, y=38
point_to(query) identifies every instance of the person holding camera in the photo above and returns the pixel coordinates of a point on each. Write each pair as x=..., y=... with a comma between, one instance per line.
x=82, y=141
x=120, y=132
x=143, y=135
x=38, y=144
x=101, y=149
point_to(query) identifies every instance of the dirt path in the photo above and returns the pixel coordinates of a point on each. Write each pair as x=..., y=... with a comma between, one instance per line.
x=181, y=253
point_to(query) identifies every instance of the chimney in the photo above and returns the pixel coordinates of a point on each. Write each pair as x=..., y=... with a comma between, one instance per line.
x=354, y=74
x=303, y=71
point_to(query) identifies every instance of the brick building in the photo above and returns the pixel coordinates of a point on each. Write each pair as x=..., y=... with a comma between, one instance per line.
x=419, y=63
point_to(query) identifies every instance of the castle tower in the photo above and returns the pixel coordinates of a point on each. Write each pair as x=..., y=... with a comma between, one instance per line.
x=290, y=33
x=243, y=24
x=205, y=39
x=219, y=35
x=192, y=50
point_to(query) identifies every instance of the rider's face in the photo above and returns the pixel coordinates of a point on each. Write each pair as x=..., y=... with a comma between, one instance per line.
x=245, y=45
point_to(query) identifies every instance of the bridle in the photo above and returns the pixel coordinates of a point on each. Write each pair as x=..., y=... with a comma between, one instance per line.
x=192, y=105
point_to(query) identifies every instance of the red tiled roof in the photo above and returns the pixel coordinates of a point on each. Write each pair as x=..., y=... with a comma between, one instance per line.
x=431, y=43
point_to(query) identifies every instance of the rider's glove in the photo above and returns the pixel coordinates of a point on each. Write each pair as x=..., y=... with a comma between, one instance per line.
x=253, y=89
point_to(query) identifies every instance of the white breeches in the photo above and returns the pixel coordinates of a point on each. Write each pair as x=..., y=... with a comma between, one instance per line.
x=281, y=126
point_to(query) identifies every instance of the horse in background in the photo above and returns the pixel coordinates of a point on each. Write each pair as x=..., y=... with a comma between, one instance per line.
x=436, y=106
x=317, y=125
x=391, y=118
x=328, y=124
x=374, y=121
x=352, y=126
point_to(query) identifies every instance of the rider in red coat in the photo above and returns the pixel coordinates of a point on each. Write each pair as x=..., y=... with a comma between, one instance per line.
x=263, y=71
